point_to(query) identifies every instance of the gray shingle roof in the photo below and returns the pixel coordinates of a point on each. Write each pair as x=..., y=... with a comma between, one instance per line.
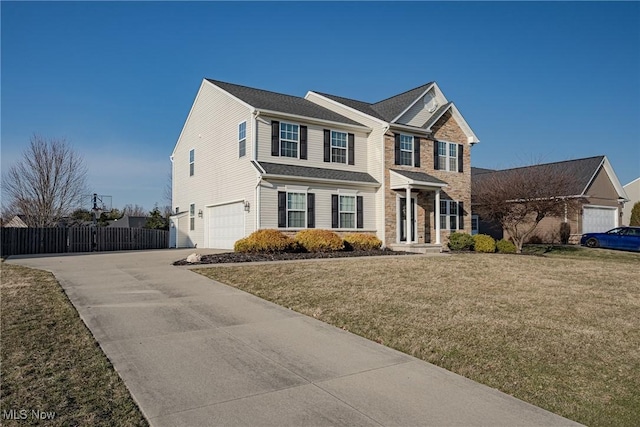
x=387, y=109
x=419, y=176
x=581, y=169
x=318, y=173
x=264, y=99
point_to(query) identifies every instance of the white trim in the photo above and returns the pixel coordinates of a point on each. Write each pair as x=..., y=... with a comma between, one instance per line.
x=305, y=209
x=306, y=178
x=413, y=103
x=240, y=140
x=194, y=217
x=192, y=162
x=412, y=150
x=622, y=194
x=306, y=119
x=414, y=183
x=296, y=188
x=348, y=192
x=353, y=110
x=632, y=182
x=437, y=217
x=188, y=117
x=354, y=212
x=230, y=202
x=346, y=148
x=408, y=128
x=398, y=217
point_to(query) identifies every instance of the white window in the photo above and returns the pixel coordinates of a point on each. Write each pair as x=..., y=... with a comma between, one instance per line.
x=192, y=158
x=338, y=147
x=449, y=215
x=296, y=210
x=347, y=211
x=406, y=150
x=192, y=216
x=447, y=156
x=242, y=139
x=289, y=139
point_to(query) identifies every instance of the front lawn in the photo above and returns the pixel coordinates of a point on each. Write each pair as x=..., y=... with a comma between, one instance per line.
x=561, y=331
x=52, y=368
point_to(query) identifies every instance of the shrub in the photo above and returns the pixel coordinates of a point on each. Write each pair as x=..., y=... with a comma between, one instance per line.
x=505, y=247
x=460, y=242
x=484, y=243
x=565, y=232
x=314, y=240
x=635, y=214
x=265, y=241
x=362, y=242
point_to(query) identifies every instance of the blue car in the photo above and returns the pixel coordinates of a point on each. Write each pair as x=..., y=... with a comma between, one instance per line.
x=625, y=238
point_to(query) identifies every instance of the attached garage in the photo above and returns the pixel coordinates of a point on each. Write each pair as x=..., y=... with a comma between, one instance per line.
x=225, y=225
x=599, y=219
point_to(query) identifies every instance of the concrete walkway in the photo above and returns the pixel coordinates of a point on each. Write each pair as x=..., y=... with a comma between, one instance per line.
x=195, y=352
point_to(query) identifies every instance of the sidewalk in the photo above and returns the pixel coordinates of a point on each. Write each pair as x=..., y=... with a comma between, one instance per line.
x=194, y=352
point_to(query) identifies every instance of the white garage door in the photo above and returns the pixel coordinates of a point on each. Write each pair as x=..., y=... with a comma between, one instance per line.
x=596, y=220
x=226, y=225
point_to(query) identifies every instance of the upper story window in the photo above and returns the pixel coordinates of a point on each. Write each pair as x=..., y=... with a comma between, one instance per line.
x=289, y=139
x=242, y=139
x=338, y=147
x=449, y=156
x=192, y=158
x=406, y=150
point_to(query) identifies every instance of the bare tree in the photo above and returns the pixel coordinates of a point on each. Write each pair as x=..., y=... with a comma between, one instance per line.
x=518, y=199
x=47, y=183
x=134, y=210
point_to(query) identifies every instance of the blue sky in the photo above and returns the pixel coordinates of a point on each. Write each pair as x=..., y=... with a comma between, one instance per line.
x=541, y=81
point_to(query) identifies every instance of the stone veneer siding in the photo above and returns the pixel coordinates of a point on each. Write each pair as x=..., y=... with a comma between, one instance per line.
x=458, y=188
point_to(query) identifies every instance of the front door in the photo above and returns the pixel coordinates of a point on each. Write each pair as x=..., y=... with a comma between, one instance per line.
x=403, y=219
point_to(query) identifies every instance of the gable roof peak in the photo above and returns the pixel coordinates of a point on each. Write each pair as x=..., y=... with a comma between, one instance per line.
x=421, y=88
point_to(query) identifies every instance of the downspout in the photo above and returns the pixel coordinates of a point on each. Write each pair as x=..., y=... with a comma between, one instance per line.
x=384, y=187
x=254, y=157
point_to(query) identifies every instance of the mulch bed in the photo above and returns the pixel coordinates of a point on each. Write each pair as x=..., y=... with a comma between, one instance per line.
x=241, y=257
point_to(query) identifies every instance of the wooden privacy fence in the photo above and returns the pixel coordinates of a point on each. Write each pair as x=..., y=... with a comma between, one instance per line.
x=17, y=241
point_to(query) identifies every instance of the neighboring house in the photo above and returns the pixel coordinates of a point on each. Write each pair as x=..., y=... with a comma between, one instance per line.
x=250, y=159
x=633, y=193
x=129, y=222
x=595, y=182
x=16, y=221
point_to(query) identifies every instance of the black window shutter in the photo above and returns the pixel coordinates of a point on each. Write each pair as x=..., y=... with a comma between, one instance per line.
x=416, y=151
x=327, y=145
x=311, y=210
x=275, y=138
x=461, y=215
x=282, y=209
x=460, y=158
x=303, y=142
x=397, y=150
x=359, y=212
x=436, y=166
x=334, y=211
x=352, y=149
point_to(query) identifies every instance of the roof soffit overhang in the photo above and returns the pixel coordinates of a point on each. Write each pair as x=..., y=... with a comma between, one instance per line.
x=471, y=136
x=425, y=185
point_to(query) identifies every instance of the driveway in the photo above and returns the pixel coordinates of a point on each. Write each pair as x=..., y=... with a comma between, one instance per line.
x=195, y=352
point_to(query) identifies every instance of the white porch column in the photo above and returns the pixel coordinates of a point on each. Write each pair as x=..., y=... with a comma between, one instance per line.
x=437, y=214
x=408, y=216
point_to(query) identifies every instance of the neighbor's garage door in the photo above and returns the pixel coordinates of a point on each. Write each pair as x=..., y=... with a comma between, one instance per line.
x=226, y=225
x=595, y=220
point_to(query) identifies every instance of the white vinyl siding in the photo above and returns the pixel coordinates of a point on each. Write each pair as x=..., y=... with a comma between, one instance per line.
x=269, y=205
x=211, y=129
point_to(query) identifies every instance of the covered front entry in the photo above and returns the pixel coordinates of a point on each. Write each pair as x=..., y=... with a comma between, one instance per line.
x=417, y=197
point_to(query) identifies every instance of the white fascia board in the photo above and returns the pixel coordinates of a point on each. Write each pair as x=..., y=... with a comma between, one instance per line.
x=632, y=182
x=353, y=110
x=410, y=181
x=314, y=120
x=188, y=117
x=322, y=180
x=413, y=103
x=471, y=136
x=410, y=128
x=622, y=194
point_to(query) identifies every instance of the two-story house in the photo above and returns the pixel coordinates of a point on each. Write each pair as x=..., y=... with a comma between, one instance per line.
x=249, y=159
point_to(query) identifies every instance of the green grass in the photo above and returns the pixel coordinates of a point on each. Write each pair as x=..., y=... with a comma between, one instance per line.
x=560, y=331
x=50, y=360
